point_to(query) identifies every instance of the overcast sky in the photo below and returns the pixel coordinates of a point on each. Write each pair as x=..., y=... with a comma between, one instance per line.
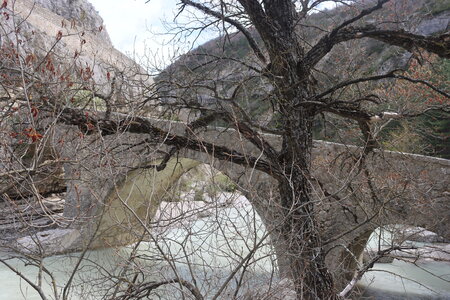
x=136, y=26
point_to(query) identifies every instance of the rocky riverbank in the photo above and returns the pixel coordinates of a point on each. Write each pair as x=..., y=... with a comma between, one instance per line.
x=22, y=217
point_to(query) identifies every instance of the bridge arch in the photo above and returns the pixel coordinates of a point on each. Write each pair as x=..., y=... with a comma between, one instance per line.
x=134, y=199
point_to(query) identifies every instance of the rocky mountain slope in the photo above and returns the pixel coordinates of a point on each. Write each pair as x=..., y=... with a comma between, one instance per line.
x=229, y=61
x=72, y=30
x=81, y=11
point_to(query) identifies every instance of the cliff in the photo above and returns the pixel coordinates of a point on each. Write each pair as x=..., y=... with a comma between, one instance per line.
x=73, y=31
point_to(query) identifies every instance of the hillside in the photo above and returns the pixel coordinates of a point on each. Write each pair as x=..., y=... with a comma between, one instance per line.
x=229, y=61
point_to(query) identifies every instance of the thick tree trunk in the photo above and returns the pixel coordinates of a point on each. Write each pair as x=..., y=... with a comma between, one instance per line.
x=303, y=251
x=293, y=87
x=303, y=244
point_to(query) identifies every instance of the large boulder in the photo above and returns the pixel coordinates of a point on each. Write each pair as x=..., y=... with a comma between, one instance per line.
x=416, y=234
x=49, y=242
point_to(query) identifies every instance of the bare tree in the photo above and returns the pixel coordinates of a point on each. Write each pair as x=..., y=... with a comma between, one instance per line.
x=285, y=71
x=286, y=63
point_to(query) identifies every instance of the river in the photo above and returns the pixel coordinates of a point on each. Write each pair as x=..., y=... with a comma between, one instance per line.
x=200, y=250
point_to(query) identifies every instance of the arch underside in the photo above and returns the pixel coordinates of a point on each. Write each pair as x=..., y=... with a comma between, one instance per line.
x=132, y=204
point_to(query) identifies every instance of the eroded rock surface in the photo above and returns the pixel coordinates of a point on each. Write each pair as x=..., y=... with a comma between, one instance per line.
x=48, y=242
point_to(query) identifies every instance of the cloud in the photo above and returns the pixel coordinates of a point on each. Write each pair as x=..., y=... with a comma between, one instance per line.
x=138, y=28
x=130, y=22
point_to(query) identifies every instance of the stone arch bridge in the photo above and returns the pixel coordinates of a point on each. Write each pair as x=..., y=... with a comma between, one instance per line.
x=112, y=188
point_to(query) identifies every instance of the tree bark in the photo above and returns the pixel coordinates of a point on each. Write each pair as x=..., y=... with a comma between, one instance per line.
x=298, y=231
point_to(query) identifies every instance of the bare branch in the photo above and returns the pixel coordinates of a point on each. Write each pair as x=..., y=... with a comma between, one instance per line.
x=89, y=124
x=239, y=26
x=439, y=45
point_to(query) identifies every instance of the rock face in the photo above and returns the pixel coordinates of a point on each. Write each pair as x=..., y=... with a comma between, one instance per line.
x=22, y=216
x=48, y=242
x=439, y=23
x=70, y=34
x=417, y=234
x=74, y=31
x=81, y=11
